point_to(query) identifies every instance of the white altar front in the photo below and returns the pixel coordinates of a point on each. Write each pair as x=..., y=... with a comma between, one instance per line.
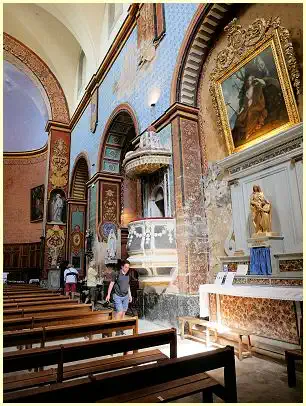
x=272, y=312
x=292, y=293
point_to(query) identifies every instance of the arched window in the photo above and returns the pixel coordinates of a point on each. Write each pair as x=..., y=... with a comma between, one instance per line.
x=114, y=12
x=81, y=71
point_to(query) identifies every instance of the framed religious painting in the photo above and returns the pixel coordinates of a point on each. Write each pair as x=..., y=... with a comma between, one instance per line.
x=37, y=203
x=251, y=85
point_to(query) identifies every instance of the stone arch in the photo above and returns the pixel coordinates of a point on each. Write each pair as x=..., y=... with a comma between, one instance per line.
x=200, y=34
x=121, y=121
x=79, y=178
x=25, y=57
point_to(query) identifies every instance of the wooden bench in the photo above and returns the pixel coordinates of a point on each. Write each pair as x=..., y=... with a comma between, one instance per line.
x=33, y=299
x=54, y=319
x=60, y=355
x=217, y=330
x=291, y=356
x=30, y=289
x=165, y=381
x=53, y=302
x=32, y=311
x=42, y=335
x=31, y=295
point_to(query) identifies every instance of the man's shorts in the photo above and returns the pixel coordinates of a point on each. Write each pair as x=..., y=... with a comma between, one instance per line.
x=70, y=287
x=121, y=303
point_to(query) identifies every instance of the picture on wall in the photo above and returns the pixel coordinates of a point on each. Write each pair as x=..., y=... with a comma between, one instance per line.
x=251, y=87
x=254, y=99
x=37, y=203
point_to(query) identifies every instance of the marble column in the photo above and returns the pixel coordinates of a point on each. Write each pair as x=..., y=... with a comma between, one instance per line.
x=57, y=177
x=189, y=200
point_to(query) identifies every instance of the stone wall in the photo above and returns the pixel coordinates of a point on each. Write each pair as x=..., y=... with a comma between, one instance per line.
x=166, y=308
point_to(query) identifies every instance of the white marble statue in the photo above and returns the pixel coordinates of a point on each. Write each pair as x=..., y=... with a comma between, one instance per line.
x=57, y=208
x=112, y=245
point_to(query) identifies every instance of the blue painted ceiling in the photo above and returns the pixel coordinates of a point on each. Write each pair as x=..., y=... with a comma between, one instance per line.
x=25, y=112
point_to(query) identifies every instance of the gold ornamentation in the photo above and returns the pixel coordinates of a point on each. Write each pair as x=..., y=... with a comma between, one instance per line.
x=55, y=240
x=110, y=206
x=247, y=113
x=59, y=164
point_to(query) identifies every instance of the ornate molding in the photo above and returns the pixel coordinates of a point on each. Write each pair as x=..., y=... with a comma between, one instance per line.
x=289, y=141
x=243, y=40
x=242, y=44
x=25, y=160
x=26, y=56
x=195, y=49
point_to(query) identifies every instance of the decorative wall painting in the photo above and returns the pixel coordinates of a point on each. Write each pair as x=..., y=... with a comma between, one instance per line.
x=251, y=87
x=37, y=203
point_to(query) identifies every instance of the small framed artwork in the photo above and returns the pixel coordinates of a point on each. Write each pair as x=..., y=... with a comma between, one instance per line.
x=37, y=203
x=251, y=87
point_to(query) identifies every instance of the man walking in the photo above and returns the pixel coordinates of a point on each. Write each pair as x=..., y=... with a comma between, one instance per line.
x=122, y=291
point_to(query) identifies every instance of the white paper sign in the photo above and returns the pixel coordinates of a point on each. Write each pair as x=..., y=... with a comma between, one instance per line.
x=220, y=278
x=229, y=279
x=242, y=269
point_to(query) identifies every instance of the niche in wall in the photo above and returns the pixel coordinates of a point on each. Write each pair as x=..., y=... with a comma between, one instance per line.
x=57, y=208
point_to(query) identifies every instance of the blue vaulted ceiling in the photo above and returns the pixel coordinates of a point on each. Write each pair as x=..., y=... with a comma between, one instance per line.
x=25, y=112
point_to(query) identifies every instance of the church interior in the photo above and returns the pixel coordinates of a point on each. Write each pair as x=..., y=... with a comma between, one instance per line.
x=152, y=202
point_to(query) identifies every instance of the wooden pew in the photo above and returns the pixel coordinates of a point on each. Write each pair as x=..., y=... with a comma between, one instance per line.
x=165, y=381
x=54, y=302
x=8, y=288
x=37, y=358
x=31, y=294
x=32, y=311
x=34, y=299
x=46, y=334
x=30, y=289
x=54, y=319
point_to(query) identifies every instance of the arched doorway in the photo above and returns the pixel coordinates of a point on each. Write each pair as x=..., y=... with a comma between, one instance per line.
x=119, y=197
x=118, y=139
x=77, y=215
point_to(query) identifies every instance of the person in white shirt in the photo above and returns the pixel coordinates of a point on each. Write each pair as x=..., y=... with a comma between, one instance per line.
x=92, y=281
x=70, y=278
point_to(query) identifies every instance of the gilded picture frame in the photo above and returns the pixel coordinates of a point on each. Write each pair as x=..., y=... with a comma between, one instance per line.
x=251, y=87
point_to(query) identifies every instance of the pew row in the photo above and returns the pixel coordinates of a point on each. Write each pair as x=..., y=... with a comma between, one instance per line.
x=23, y=305
x=55, y=319
x=32, y=311
x=33, y=299
x=166, y=380
x=63, y=354
x=42, y=335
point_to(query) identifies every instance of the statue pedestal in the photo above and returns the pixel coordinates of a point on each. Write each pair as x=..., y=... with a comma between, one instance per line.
x=275, y=245
x=54, y=278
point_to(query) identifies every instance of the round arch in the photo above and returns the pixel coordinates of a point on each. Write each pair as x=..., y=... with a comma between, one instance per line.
x=79, y=178
x=122, y=120
x=23, y=57
x=196, y=45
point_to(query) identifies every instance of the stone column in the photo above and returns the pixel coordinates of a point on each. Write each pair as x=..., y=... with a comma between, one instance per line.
x=57, y=177
x=191, y=232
